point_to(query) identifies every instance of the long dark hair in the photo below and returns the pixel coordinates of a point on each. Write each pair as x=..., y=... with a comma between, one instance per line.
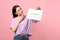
x=14, y=11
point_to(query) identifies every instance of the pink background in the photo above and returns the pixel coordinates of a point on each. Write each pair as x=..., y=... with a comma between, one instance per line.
x=47, y=29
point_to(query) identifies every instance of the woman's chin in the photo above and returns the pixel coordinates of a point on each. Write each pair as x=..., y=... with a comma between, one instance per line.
x=20, y=14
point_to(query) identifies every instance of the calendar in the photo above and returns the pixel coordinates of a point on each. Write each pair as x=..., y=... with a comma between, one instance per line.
x=34, y=14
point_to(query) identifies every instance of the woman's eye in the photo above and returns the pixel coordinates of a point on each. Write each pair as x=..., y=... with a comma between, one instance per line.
x=18, y=10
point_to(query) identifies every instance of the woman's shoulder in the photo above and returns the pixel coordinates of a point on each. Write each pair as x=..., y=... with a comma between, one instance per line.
x=14, y=19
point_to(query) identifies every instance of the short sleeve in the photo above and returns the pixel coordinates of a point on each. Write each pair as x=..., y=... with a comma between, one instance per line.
x=32, y=21
x=12, y=23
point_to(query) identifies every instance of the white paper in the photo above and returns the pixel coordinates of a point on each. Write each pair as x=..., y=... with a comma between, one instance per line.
x=34, y=14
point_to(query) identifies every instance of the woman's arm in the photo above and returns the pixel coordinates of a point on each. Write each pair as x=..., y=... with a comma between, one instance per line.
x=14, y=28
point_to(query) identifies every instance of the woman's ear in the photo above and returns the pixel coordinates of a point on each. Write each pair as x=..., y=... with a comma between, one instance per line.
x=15, y=13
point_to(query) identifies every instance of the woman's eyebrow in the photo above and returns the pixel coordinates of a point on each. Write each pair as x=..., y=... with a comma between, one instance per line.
x=20, y=8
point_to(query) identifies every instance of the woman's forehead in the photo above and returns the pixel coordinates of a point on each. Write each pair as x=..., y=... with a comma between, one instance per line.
x=18, y=8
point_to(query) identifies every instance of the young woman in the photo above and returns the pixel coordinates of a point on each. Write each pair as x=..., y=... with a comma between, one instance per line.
x=20, y=25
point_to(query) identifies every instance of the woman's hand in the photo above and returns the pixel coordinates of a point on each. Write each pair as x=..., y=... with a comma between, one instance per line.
x=36, y=21
x=20, y=18
x=38, y=8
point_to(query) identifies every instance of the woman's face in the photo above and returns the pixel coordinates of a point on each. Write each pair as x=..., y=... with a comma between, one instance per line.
x=19, y=11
